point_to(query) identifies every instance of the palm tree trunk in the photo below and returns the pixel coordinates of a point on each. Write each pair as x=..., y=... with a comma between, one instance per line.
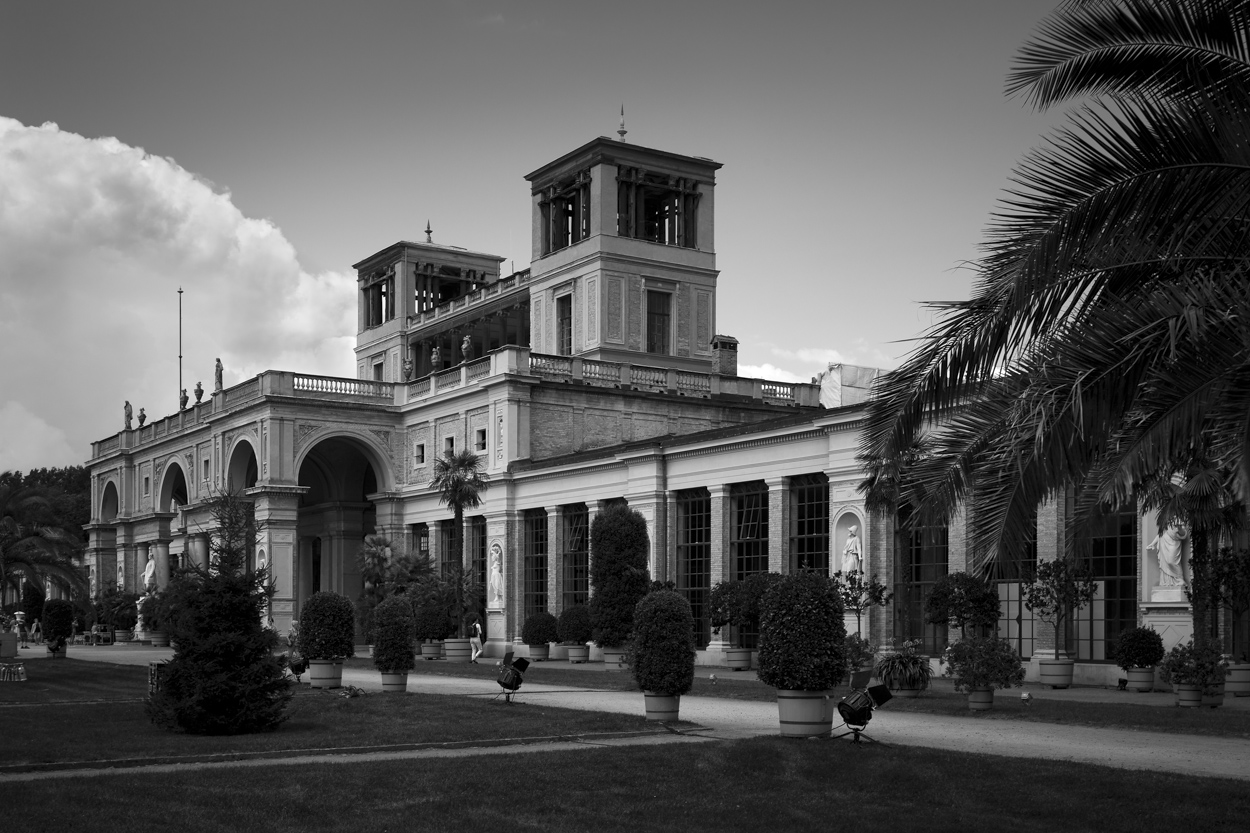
x=1198, y=568
x=457, y=535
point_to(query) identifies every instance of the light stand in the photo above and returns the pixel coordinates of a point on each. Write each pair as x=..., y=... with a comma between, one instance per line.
x=856, y=710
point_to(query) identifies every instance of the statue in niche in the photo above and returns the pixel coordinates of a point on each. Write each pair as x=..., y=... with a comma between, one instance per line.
x=466, y=347
x=182, y=400
x=1170, y=543
x=436, y=358
x=199, y=392
x=407, y=368
x=126, y=409
x=142, y=417
x=149, y=574
x=496, y=574
x=852, y=555
x=217, y=372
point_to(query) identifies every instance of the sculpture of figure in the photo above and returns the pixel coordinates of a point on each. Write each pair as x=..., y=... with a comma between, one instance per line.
x=466, y=346
x=182, y=400
x=129, y=413
x=217, y=371
x=199, y=392
x=1170, y=544
x=407, y=369
x=852, y=556
x=149, y=574
x=496, y=573
x=436, y=358
x=142, y=417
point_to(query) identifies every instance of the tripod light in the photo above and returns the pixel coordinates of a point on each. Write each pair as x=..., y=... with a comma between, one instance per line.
x=511, y=675
x=856, y=709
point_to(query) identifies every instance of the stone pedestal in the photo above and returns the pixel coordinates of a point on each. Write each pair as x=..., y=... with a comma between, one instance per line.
x=1172, y=620
x=496, y=633
x=1168, y=594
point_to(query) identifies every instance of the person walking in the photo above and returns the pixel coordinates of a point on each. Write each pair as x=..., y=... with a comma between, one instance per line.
x=21, y=627
x=475, y=639
x=36, y=635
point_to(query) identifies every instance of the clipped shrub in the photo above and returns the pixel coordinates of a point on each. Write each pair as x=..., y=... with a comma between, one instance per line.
x=962, y=600
x=801, y=633
x=327, y=627
x=394, y=629
x=432, y=622
x=58, y=623
x=662, y=651
x=573, y=626
x=737, y=603
x=1139, y=648
x=983, y=662
x=539, y=629
x=618, y=573
x=224, y=678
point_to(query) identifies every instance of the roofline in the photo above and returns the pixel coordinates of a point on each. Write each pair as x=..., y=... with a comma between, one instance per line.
x=612, y=147
x=429, y=247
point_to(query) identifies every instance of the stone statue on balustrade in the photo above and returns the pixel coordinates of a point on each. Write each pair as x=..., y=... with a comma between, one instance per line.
x=142, y=417
x=217, y=373
x=407, y=368
x=466, y=347
x=129, y=413
x=436, y=358
x=199, y=392
x=182, y=400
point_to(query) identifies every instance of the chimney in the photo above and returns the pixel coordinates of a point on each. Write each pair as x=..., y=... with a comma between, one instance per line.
x=725, y=355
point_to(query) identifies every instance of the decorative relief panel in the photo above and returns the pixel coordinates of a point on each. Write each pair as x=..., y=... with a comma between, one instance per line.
x=613, y=325
x=703, y=322
x=683, y=319
x=499, y=434
x=536, y=324
x=592, y=306
x=633, y=311
x=303, y=431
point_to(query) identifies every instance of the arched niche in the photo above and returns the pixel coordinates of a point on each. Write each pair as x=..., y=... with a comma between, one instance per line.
x=243, y=472
x=842, y=524
x=173, y=492
x=109, y=503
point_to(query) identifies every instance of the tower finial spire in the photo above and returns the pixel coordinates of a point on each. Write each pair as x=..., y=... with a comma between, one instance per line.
x=622, y=131
x=428, y=232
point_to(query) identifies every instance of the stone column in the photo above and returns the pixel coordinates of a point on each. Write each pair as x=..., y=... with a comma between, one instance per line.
x=555, y=559
x=160, y=553
x=721, y=563
x=277, y=516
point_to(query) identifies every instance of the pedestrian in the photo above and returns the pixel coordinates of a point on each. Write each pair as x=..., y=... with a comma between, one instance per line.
x=475, y=638
x=21, y=627
x=36, y=636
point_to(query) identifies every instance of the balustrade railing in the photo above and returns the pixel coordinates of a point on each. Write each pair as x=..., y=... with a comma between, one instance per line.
x=557, y=367
x=478, y=369
x=694, y=383
x=447, y=379
x=342, y=387
x=601, y=373
x=649, y=377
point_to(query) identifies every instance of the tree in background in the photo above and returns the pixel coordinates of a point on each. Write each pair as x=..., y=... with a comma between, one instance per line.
x=618, y=573
x=34, y=543
x=224, y=678
x=459, y=481
x=963, y=600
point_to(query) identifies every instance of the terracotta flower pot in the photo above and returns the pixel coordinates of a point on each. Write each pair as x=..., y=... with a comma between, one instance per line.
x=738, y=659
x=1056, y=673
x=662, y=707
x=579, y=654
x=395, y=681
x=981, y=698
x=1141, y=679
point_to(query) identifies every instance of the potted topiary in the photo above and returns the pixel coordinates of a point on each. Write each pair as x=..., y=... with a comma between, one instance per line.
x=1198, y=674
x=394, y=629
x=432, y=627
x=58, y=626
x=905, y=672
x=662, y=652
x=1058, y=589
x=737, y=604
x=1138, y=651
x=981, y=664
x=573, y=629
x=801, y=654
x=326, y=637
x=618, y=578
x=859, y=655
x=538, y=632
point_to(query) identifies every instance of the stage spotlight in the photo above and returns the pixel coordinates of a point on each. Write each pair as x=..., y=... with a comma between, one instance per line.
x=857, y=707
x=511, y=675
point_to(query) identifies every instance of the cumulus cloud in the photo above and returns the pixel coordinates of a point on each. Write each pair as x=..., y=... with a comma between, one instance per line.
x=96, y=237
x=768, y=371
x=28, y=442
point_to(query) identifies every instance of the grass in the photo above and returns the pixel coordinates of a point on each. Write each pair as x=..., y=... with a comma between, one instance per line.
x=766, y=783
x=57, y=717
x=941, y=698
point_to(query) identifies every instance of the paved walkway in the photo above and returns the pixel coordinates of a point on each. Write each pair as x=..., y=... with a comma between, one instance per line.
x=729, y=719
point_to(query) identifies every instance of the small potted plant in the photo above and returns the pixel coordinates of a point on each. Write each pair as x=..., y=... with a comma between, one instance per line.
x=58, y=626
x=1058, y=589
x=801, y=654
x=981, y=664
x=905, y=672
x=1138, y=651
x=1198, y=674
x=573, y=629
x=662, y=652
x=326, y=637
x=538, y=632
x=394, y=629
x=859, y=655
x=737, y=604
x=432, y=627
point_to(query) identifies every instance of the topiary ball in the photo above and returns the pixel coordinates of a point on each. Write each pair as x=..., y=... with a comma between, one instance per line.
x=539, y=629
x=573, y=626
x=662, y=653
x=327, y=627
x=801, y=633
x=394, y=629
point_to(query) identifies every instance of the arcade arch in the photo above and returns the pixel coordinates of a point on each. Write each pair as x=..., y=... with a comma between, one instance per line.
x=109, y=503
x=243, y=472
x=173, y=492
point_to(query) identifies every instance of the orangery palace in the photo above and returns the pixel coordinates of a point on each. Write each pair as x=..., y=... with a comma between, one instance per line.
x=595, y=376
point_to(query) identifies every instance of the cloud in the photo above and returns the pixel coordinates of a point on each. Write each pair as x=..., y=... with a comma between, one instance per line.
x=28, y=442
x=861, y=353
x=96, y=238
x=768, y=371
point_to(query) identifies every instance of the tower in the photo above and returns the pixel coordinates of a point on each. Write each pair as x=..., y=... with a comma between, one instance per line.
x=624, y=264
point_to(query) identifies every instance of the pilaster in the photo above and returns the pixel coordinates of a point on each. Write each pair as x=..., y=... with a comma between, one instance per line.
x=778, y=523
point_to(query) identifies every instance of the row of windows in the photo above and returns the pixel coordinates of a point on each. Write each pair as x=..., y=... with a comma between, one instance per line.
x=449, y=446
x=659, y=323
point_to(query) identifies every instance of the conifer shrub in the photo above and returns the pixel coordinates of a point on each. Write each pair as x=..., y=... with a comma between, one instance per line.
x=394, y=629
x=539, y=629
x=573, y=626
x=327, y=627
x=224, y=678
x=662, y=651
x=801, y=633
x=618, y=573
x=58, y=623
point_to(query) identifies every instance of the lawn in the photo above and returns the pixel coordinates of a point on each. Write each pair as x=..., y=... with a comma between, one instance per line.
x=60, y=717
x=761, y=784
x=941, y=698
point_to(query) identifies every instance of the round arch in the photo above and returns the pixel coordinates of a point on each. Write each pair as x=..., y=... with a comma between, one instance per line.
x=109, y=503
x=173, y=491
x=377, y=458
x=242, y=471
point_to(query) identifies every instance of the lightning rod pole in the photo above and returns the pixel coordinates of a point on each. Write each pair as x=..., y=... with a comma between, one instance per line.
x=180, y=348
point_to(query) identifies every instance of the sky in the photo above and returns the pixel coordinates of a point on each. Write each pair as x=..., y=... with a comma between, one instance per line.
x=249, y=153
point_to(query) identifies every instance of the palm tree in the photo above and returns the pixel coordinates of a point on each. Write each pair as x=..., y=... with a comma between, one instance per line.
x=459, y=481
x=30, y=549
x=1107, y=339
